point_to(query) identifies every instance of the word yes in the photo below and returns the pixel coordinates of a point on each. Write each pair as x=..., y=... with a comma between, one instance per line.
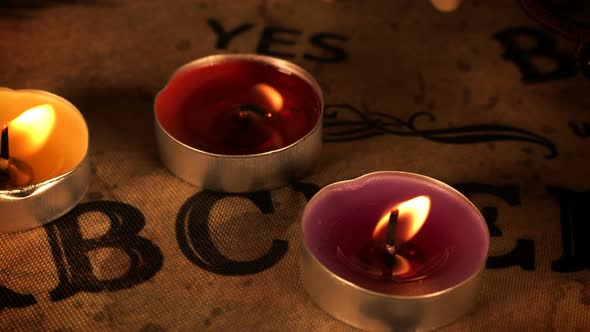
x=328, y=46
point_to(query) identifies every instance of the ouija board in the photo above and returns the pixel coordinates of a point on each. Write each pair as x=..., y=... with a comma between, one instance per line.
x=482, y=98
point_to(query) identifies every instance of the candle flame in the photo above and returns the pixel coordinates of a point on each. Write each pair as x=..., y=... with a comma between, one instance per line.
x=270, y=97
x=30, y=130
x=411, y=218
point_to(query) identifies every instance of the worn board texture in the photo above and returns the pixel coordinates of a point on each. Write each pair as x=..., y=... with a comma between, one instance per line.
x=482, y=98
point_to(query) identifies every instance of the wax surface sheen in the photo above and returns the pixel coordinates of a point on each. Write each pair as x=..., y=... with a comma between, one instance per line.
x=341, y=217
x=200, y=107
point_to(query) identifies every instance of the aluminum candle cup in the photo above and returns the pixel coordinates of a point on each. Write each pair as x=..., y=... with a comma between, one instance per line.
x=393, y=251
x=44, y=169
x=239, y=122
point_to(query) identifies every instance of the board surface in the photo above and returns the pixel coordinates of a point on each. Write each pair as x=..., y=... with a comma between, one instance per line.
x=481, y=98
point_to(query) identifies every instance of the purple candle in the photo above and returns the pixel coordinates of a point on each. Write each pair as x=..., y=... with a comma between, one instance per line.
x=393, y=250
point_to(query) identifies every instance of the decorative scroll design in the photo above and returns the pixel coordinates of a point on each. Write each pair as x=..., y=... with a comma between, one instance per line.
x=344, y=122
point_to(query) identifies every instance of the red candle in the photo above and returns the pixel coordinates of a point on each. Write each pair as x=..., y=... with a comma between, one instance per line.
x=238, y=107
x=239, y=122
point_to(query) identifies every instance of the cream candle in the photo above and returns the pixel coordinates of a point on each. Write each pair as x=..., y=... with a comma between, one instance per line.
x=43, y=164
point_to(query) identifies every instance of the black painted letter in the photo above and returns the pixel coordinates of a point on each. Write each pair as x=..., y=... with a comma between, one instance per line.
x=195, y=241
x=11, y=299
x=581, y=130
x=307, y=189
x=523, y=254
x=575, y=228
x=565, y=65
x=70, y=250
x=269, y=37
x=332, y=53
x=224, y=37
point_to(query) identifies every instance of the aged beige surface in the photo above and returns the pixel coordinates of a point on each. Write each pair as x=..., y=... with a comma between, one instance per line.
x=111, y=57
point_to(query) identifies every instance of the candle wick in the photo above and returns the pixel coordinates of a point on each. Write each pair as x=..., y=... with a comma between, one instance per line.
x=390, y=246
x=390, y=235
x=4, y=162
x=252, y=108
x=4, y=143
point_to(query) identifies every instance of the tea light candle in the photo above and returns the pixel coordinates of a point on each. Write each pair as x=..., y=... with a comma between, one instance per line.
x=239, y=122
x=43, y=165
x=393, y=250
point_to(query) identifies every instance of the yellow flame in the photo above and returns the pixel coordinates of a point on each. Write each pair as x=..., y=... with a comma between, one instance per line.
x=270, y=96
x=411, y=218
x=29, y=131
